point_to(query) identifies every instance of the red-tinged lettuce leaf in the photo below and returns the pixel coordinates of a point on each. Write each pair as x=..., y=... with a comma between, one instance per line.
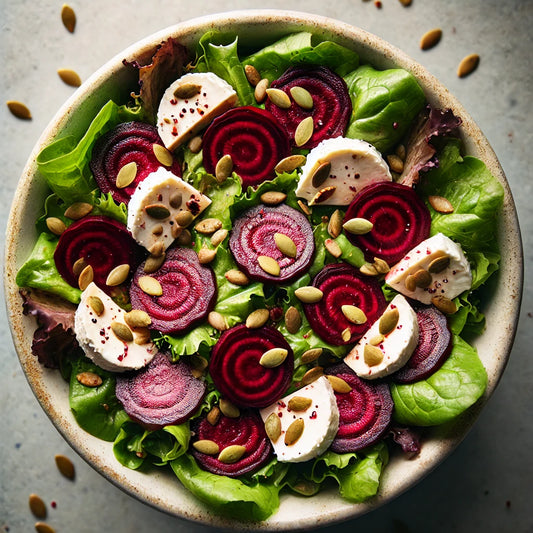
x=420, y=152
x=54, y=339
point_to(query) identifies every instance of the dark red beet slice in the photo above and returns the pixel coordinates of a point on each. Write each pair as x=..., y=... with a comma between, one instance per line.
x=401, y=221
x=236, y=371
x=247, y=430
x=253, y=236
x=331, y=109
x=434, y=346
x=252, y=137
x=127, y=142
x=189, y=292
x=341, y=285
x=364, y=413
x=161, y=394
x=103, y=242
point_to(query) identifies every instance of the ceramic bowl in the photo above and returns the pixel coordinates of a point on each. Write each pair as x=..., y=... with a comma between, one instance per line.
x=161, y=489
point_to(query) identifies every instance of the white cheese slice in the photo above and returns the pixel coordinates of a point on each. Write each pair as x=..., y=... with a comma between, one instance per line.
x=320, y=422
x=161, y=187
x=100, y=344
x=355, y=164
x=450, y=282
x=179, y=119
x=396, y=346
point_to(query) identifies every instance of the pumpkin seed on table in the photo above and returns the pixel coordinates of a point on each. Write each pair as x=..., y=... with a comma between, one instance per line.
x=68, y=17
x=467, y=65
x=430, y=39
x=18, y=109
x=43, y=527
x=37, y=506
x=162, y=155
x=69, y=76
x=65, y=466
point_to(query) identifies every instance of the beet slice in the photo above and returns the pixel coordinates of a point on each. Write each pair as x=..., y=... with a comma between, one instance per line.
x=331, y=109
x=247, y=430
x=341, y=285
x=189, y=292
x=364, y=413
x=253, y=236
x=254, y=140
x=161, y=394
x=127, y=142
x=433, y=348
x=102, y=242
x=236, y=371
x=400, y=217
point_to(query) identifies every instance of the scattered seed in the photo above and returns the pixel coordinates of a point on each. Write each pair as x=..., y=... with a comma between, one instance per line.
x=55, y=225
x=231, y=454
x=354, y=314
x=406, y=3
x=273, y=358
x=237, y=277
x=18, y=109
x=142, y=336
x=410, y=283
x=293, y=320
x=206, y=446
x=150, y=286
x=273, y=427
x=175, y=200
x=304, y=207
x=229, y=409
x=214, y=415
x=312, y=375
x=439, y=264
x=118, y=275
x=219, y=236
x=388, y=321
x=187, y=90
x=157, y=249
x=422, y=278
x=252, y=75
x=224, y=168
x=299, y=403
x=68, y=17
x=176, y=230
x=333, y=248
x=376, y=340
x=294, y=431
x=69, y=76
x=339, y=385
x=260, y=92
x=395, y=163
x=335, y=224
x=269, y=265
x=400, y=151
x=208, y=226
x=430, y=39
x=368, y=269
x=184, y=218
x=273, y=197
x=198, y=363
x=89, y=379
x=346, y=335
x=37, y=506
x=285, y=245
x=157, y=211
x=126, y=175
x=304, y=131
x=137, y=318
x=302, y=97
x=358, y=226
x=309, y=294
x=43, y=527
x=440, y=204
x=217, y=321
x=121, y=331
x=96, y=305
x=322, y=195
x=381, y=265
x=290, y=163
x=279, y=98
x=257, y=318
x=86, y=277
x=65, y=466
x=372, y=355
x=311, y=355
x=78, y=210
x=162, y=155
x=321, y=174
x=206, y=255
x=78, y=266
x=153, y=263
x=184, y=237
x=467, y=65
x=195, y=144
x=444, y=304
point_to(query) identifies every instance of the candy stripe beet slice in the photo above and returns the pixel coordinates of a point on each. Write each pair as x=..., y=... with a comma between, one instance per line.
x=341, y=285
x=236, y=370
x=364, y=413
x=254, y=140
x=188, y=292
x=331, y=109
x=247, y=430
x=434, y=346
x=161, y=394
x=401, y=221
x=253, y=235
x=102, y=242
x=126, y=143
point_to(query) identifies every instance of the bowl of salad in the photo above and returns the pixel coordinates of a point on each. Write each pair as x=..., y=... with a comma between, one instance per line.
x=263, y=271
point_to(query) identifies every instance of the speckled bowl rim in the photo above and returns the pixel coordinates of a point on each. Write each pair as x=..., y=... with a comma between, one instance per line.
x=161, y=489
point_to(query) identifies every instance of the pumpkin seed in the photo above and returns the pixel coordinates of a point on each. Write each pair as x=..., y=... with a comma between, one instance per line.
x=406, y=2
x=118, y=275
x=43, y=527
x=195, y=144
x=224, y=168
x=18, y=109
x=142, y=336
x=312, y=375
x=293, y=320
x=273, y=197
x=440, y=204
x=346, y=335
x=217, y=321
x=269, y=265
x=89, y=379
x=184, y=218
x=304, y=131
x=69, y=76
x=175, y=230
x=395, y=163
x=162, y=155
x=322, y=195
x=400, y=151
x=290, y=163
x=187, y=90
x=321, y=174
x=439, y=264
x=467, y=65
x=78, y=266
x=252, y=75
x=96, y=305
x=214, y=415
x=335, y=224
x=153, y=263
x=285, y=244
x=339, y=385
x=294, y=431
x=302, y=97
x=86, y=277
x=209, y=447
x=206, y=255
x=231, y=454
x=311, y=355
x=368, y=269
x=430, y=39
x=121, y=331
x=373, y=355
x=126, y=175
x=184, y=238
x=260, y=92
x=68, y=17
x=273, y=427
x=55, y=225
x=257, y=318
x=65, y=466
x=229, y=409
x=333, y=248
x=175, y=200
x=376, y=340
x=150, y=286
x=137, y=318
x=388, y=321
x=304, y=207
x=299, y=403
x=208, y=226
x=157, y=249
x=381, y=266
x=219, y=236
x=358, y=226
x=444, y=304
x=309, y=294
x=78, y=210
x=273, y=357
x=279, y=98
x=422, y=278
x=198, y=362
x=354, y=314
x=157, y=211
x=37, y=506
x=237, y=277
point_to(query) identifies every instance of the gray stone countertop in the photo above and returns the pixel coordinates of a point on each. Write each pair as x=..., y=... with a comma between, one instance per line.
x=486, y=484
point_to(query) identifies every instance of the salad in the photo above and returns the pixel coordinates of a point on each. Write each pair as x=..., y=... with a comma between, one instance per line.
x=263, y=271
